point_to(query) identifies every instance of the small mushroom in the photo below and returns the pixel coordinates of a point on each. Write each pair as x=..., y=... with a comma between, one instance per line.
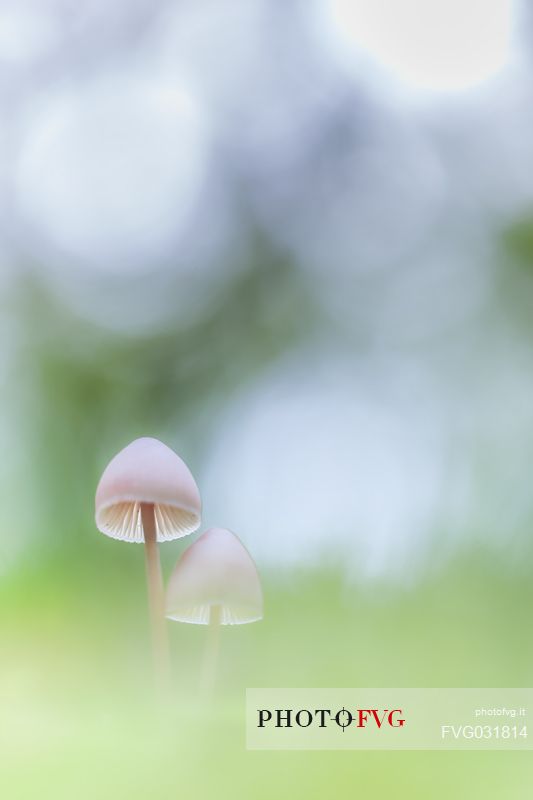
x=147, y=494
x=215, y=582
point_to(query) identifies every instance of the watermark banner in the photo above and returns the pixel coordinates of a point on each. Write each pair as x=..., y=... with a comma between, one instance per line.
x=389, y=719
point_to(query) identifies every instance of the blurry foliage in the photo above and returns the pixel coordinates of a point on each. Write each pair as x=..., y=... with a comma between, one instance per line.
x=518, y=239
x=88, y=393
x=516, y=275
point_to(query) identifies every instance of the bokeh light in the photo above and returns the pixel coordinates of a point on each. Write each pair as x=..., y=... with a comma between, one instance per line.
x=429, y=44
x=110, y=171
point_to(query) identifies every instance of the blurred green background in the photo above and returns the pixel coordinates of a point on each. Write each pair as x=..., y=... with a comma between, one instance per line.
x=294, y=241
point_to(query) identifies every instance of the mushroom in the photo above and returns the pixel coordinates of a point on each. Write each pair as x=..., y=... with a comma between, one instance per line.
x=214, y=583
x=147, y=494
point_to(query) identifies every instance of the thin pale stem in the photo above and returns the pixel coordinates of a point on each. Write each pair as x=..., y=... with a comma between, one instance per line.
x=156, y=597
x=211, y=652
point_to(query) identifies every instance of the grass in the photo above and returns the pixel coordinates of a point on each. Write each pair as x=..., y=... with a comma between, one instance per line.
x=78, y=718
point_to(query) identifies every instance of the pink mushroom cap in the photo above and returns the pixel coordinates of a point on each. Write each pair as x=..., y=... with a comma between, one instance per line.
x=217, y=570
x=147, y=471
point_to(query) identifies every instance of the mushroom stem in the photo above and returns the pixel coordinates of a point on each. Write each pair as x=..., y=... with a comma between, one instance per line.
x=211, y=651
x=155, y=597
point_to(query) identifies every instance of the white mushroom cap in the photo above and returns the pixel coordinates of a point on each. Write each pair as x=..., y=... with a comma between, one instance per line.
x=147, y=471
x=216, y=570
